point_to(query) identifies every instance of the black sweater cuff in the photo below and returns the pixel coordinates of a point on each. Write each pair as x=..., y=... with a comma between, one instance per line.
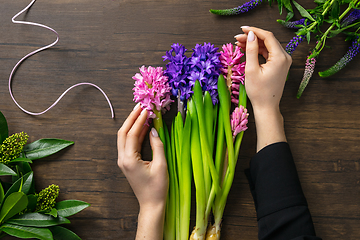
x=273, y=179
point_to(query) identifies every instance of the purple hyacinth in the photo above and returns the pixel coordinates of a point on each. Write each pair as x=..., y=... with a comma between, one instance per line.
x=309, y=70
x=294, y=42
x=350, y=54
x=177, y=70
x=353, y=16
x=293, y=24
x=205, y=67
x=240, y=9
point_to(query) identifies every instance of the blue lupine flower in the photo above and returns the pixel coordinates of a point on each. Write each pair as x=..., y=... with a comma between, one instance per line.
x=240, y=9
x=349, y=55
x=294, y=42
x=353, y=16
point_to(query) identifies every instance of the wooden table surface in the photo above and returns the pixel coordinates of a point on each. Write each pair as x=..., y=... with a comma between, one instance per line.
x=105, y=42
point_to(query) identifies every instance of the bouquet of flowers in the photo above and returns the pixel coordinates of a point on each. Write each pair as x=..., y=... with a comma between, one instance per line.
x=24, y=213
x=204, y=97
x=335, y=16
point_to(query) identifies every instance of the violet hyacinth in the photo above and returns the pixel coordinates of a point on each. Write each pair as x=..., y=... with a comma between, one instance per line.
x=233, y=69
x=152, y=90
x=353, y=17
x=309, y=70
x=177, y=70
x=239, y=119
x=350, y=54
x=294, y=43
x=205, y=67
x=240, y=9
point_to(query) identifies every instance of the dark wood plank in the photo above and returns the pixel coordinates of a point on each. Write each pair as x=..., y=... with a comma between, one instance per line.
x=105, y=42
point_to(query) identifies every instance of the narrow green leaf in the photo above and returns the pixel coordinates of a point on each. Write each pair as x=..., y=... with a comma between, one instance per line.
x=45, y=147
x=6, y=171
x=13, y=204
x=20, y=159
x=303, y=11
x=68, y=208
x=25, y=180
x=335, y=10
x=287, y=4
x=37, y=220
x=53, y=213
x=280, y=5
x=308, y=37
x=4, y=131
x=1, y=194
x=289, y=16
x=27, y=232
x=320, y=1
x=32, y=202
x=61, y=233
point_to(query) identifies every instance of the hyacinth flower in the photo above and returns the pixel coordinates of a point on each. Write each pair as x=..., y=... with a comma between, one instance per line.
x=152, y=91
x=353, y=17
x=309, y=70
x=177, y=71
x=349, y=55
x=294, y=43
x=238, y=10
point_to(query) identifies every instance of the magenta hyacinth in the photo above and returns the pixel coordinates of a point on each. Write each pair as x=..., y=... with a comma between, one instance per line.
x=152, y=90
x=239, y=119
x=233, y=68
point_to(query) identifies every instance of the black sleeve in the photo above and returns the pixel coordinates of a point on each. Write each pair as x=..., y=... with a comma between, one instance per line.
x=281, y=207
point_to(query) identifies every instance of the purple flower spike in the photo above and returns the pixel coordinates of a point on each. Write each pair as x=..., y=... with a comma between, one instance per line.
x=293, y=24
x=353, y=16
x=309, y=70
x=238, y=10
x=350, y=54
x=177, y=70
x=294, y=42
x=205, y=67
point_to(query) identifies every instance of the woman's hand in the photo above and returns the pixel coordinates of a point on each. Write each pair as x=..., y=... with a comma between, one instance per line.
x=264, y=83
x=148, y=179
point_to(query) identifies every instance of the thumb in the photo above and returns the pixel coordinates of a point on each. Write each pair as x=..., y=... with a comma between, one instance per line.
x=157, y=147
x=252, y=52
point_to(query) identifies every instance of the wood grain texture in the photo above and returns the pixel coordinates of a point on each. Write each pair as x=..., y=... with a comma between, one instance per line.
x=105, y=42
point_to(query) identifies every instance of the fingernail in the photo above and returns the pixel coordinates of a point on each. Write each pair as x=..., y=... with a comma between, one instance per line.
x=239, y=35
x=154, y=132
x=136, y=106
x=142, y=112
x=237, y=43
x=244, y=26
x=251, y=36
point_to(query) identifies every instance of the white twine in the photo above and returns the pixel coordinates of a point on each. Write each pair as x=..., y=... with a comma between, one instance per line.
x=38, y=50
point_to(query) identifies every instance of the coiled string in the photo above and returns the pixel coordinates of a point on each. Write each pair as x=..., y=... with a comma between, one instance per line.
x=38, y=50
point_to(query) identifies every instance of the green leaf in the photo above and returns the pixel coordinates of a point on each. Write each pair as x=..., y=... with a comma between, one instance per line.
x=68, y=208
x=287, y=5
x=20, y=159
x=37, y=220
x=25, y=180
x=53, y=212
x=320, y=1
x=335, y=10
x=5, y=170
x=13, y=204
x=61, y=233
x=45, y=147
x=289, y=16
x=27, y=232
x=303, y=12
x=280, y=5
x=4, y=131
x=32, y=202
x=308, y=37
x=1, y=193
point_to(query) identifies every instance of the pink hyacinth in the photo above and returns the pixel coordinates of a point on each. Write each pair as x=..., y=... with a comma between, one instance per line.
x=152, y=90
x=239, y=119
x=233, y=68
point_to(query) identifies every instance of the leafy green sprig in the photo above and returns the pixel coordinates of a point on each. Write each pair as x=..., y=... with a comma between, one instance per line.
x=23, y=212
